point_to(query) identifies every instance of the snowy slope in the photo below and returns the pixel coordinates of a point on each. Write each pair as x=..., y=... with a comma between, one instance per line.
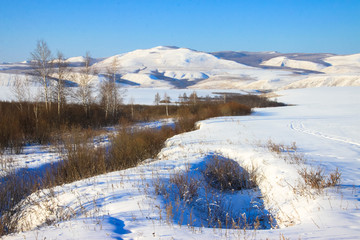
x=286, y=62
x=343, y=64
x=146, y=80
x=168, y=57
x=122, y=205
x=173, y=67
x=344, y=71
x=169, y=63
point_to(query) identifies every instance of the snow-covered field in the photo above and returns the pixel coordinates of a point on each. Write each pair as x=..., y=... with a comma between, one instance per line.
x=324, y=123
x=135, y=95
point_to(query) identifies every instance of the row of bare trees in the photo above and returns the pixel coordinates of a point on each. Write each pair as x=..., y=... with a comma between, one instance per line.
x=53, y=74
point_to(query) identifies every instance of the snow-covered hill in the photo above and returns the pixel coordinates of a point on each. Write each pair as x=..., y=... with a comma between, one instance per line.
x=286, y=62
x=173, y=67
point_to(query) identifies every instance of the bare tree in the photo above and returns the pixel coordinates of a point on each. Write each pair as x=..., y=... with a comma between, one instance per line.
x=41, y=61
x=85, y=89
x=61, y=68
x=166, y=100
x=21, y=90
x=115, y=96
x=110, y=96
x=132, y=102
x=157, y=99
x=106, y=96
x=194, y=97
x=185, y=98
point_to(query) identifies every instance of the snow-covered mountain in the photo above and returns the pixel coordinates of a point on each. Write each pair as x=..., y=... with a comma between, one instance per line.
x=173, y=67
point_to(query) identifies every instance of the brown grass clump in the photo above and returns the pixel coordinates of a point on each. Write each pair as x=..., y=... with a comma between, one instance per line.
x=186, y=186
x=203, y=198
x=317, y=179
x=226, y=174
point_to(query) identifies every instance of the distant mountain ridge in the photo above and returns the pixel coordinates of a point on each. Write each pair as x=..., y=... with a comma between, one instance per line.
x=175, y=67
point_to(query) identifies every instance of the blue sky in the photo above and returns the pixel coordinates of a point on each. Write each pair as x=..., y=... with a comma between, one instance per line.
x=111, y=27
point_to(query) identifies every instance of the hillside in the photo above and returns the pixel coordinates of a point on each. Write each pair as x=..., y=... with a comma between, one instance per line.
x=173, y=67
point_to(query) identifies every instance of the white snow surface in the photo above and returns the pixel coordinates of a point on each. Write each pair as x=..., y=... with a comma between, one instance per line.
x=167, y=57
x=343, y=64
x=324, y=123
x=79, y=59
x=172, y=67
x=291, y=63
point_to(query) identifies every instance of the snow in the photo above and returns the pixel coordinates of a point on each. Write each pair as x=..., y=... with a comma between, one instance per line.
x=286, y=62
x=79, y=59
x=122, y=205
x=146, y=80
x=186, y=64
x=185, y=75
x=138, y=94
x=161, y=57
x=343, y=64
x=185, y=68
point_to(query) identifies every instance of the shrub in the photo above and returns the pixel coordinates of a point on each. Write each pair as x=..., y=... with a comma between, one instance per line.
x=234, y=108
x=226, y=174
x=186, y=186
x=189, y=192
x=129, y=148
x=32, y=123
x=317, y=179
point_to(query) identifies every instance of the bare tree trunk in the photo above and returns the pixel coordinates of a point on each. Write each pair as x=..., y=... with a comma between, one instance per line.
x=62, y=72
x=42, y=67
x=46, y=93
x=84, y=91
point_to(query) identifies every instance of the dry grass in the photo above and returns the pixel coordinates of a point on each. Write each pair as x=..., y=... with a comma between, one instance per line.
x=189, y=193
x=226, y=174
x=313, y=177
x=318, y=180
x=281, y=148
x=80, y=158
x=186, y=187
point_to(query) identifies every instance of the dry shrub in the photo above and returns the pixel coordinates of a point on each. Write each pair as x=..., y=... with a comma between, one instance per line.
x=226, y=174
x=234, y=108
x=186, y=186
x=14, y=188
x=287, y=152
x=189, y=192
x=317, y=179
x=281, y=148
x=130, y=148
x=253, y=100
x=11, y=134
x=334, y=178
x=186, y=119
x=274, y=147
x=81, y=160
x=33, y=123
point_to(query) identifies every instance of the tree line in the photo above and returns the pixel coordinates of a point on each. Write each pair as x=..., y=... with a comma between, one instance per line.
x=55, y=75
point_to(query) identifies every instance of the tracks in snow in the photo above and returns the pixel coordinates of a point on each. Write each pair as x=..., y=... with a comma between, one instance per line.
x=300, y=127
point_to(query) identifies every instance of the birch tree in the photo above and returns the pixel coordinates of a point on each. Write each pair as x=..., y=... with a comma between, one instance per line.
x=157, y=99
x=115, y=99
x=109, y=92
x=166, y=100
x=85, y=90
x=41, y=61
x=21, y=90
x=62, y=71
